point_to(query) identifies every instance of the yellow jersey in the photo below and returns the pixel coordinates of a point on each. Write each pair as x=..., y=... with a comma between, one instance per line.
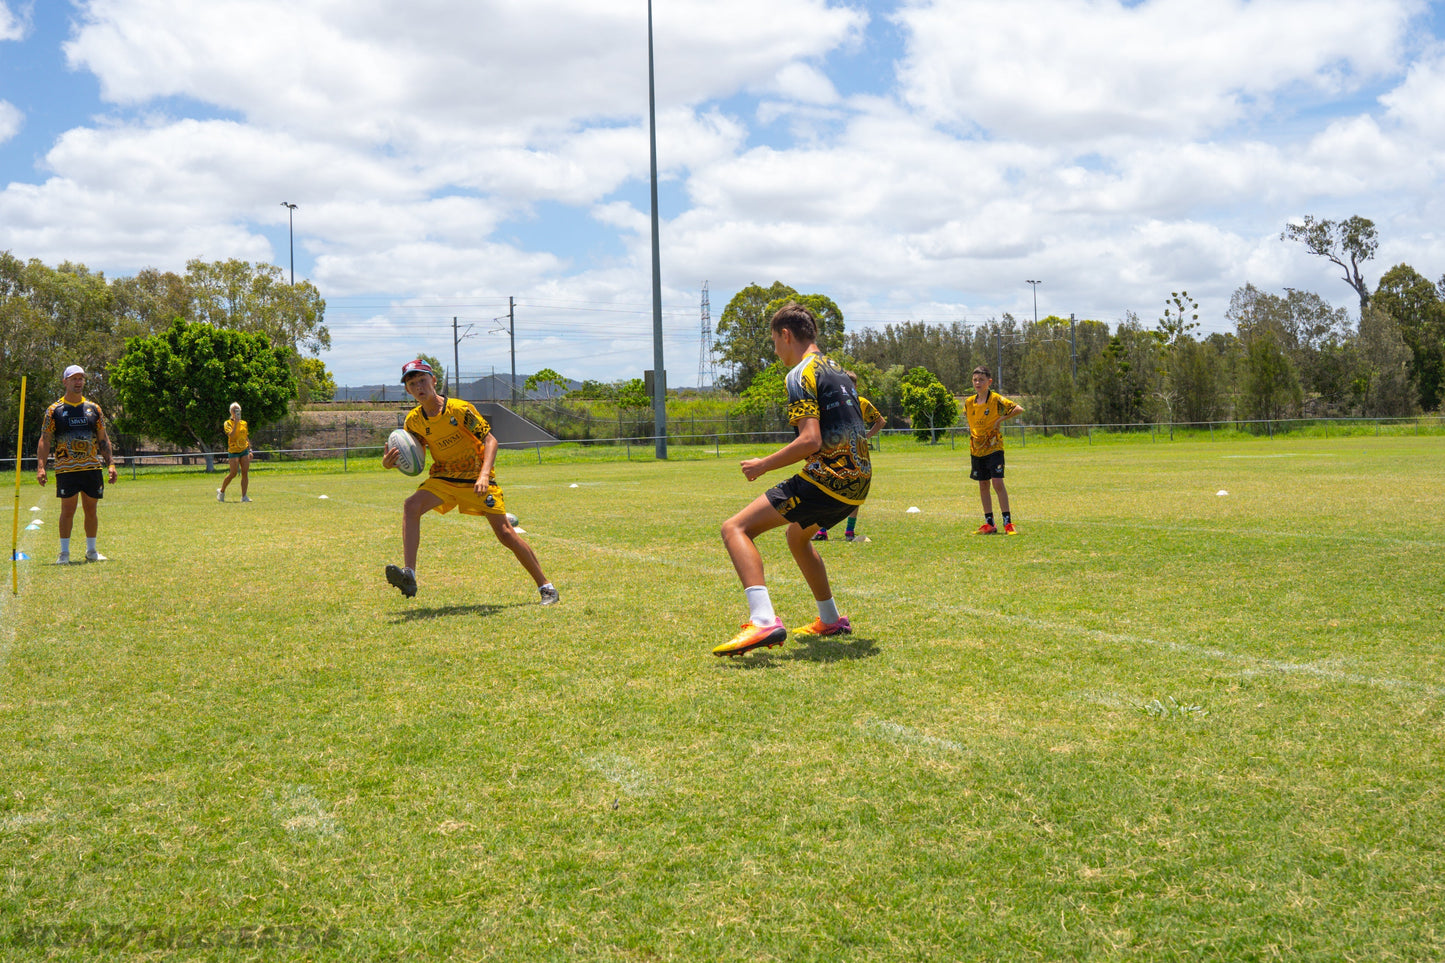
x=454, y=437
x=984, y=437
x=870, y=414
x=241, y=440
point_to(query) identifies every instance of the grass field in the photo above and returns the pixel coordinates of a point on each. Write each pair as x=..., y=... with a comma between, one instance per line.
x=1164, y=723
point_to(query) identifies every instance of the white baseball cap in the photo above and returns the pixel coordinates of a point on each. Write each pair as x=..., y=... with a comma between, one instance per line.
x=74, y=369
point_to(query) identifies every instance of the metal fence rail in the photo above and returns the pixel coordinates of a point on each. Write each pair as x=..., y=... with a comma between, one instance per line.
x=712, y=443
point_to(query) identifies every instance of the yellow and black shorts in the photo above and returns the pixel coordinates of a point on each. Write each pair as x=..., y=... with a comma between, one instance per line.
x=462, y=495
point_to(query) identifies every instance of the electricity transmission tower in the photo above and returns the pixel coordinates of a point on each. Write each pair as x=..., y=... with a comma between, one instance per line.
x=706, y=365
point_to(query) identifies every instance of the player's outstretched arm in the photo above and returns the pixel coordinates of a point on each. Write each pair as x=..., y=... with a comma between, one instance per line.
x=809, y=440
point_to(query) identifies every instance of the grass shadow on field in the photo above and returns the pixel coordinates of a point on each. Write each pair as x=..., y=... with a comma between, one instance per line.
x=818, y=649
x=480, y=610
x=808, y=649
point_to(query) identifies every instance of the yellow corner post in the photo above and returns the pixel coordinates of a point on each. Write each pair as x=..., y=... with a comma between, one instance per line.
x=15, y=526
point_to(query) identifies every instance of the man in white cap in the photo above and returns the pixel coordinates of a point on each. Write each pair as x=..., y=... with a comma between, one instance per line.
x=75, y=429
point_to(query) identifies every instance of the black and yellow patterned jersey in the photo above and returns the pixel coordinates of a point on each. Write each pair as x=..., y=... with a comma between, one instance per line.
x=984, y=437
x=454, y=437
x=74, y=433
x=819, y=388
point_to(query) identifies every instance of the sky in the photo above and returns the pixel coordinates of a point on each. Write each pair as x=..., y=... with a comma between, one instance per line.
x=914, y=160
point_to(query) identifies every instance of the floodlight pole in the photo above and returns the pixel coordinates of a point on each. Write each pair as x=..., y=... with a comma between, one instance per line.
x=1035, y=286
x=291, y=235
x=659, y=378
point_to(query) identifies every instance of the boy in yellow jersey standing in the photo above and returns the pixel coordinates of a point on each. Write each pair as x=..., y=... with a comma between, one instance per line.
x=75, y=427
x=832, y=441
x=986, y=411
x=238, y=452
x=463, y=450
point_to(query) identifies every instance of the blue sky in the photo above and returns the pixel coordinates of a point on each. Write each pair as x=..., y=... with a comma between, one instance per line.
x=914, y=160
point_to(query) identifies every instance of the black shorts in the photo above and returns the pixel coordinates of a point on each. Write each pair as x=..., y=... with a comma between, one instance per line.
x=805, y=504
x=987, y=466
x=68, y=484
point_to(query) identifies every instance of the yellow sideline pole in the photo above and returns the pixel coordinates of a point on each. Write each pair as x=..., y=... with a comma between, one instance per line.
x=15, y=526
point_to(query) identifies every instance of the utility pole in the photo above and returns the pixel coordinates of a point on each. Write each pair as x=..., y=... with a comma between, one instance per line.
x=1073, y=347
x=659, y=381
x=512, y=340
x=456, y=360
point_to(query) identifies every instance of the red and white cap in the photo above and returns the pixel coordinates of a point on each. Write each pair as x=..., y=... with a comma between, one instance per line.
x=411, y=367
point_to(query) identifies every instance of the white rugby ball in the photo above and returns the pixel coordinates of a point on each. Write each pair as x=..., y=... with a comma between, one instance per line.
x=411, y=457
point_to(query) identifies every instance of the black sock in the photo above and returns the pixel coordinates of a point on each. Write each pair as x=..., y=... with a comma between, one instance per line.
x=988, y=517
x=1006, y=519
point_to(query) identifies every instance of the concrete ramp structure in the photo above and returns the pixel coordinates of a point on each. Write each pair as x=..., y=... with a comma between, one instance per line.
x=511, y=429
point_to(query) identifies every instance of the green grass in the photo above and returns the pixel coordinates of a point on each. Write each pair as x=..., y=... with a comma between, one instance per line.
x=1161, y=724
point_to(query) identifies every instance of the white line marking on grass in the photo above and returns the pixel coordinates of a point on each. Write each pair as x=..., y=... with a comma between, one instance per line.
x=301, y=813
x=21, y=820
x=902, y=735
x=618, y=770
x=1186, y=648
x=1222, y=531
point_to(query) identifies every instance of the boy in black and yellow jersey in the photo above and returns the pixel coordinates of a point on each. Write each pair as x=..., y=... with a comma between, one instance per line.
x=986, y=411
x=832, y=441
x=875, y=422
x=463, y=450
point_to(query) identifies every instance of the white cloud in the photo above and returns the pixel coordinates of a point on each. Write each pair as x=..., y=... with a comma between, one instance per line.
x=11, y=120
x=11, y=27
x=1042, y=70
x=1419, y=102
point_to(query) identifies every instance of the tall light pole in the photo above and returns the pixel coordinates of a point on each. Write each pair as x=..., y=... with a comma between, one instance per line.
x=291, y=234
x=1035, y=285
x=659, y=376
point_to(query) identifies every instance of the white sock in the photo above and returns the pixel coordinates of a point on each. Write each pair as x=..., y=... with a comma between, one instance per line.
x=760, y=607
x=546, y=585
x=65, y=546
x=828, y=611
x=90, y=544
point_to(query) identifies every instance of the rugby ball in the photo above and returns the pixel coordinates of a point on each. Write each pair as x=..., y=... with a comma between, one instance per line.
x=411, y=457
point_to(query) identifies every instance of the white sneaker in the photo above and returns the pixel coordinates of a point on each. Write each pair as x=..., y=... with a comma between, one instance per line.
x=220, y=495
x=245, y=498
x=93, y=556
x=64, y=559
x=550, y=595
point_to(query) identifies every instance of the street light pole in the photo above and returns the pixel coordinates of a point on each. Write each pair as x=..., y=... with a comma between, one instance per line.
x=659, y=377
x=291, y=235
x=1035, y=285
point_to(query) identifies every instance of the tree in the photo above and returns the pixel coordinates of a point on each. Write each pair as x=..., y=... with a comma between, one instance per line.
x=1348, y=244
x=632, y=395
x=175, y=386
x=246, y=297
x=1181, y=316
x=767, y=395
x=1174, y=326
x=744, y=335
x=438, y=370
x=548, y=378
x=931, y=407
x=1410, y=298
x=314, y=382
x=1384, y=384
x=1271, y=387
